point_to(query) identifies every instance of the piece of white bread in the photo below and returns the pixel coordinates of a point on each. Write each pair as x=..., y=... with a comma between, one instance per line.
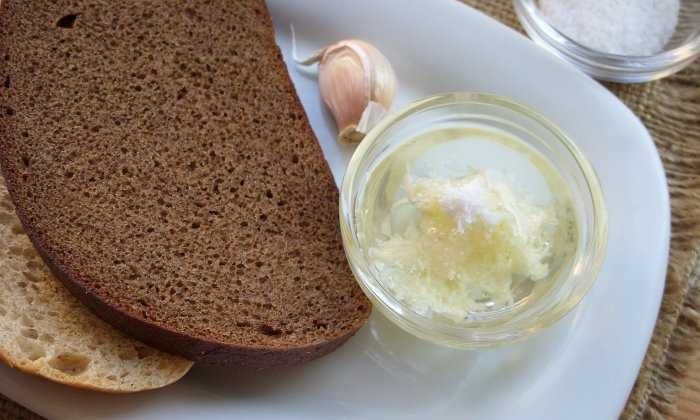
x=45, y=331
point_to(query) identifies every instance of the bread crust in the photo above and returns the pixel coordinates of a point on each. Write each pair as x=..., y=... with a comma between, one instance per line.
x=262, y=281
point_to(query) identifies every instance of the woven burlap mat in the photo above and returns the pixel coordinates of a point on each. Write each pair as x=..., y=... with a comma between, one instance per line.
x=670, y=109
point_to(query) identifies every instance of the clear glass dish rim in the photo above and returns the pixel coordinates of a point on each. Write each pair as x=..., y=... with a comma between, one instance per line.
x=481, y=335
x=601, y=65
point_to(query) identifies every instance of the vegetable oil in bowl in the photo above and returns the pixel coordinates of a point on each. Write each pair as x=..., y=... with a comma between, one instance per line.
x=463, y=222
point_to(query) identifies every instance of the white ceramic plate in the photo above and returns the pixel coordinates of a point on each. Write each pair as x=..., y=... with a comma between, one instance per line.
x=584, y=367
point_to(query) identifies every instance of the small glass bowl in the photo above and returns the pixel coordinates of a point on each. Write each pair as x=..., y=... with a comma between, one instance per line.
x=382, y=160
x=679, y=52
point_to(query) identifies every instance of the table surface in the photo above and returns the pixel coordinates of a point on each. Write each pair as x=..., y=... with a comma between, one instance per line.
x=688, y=403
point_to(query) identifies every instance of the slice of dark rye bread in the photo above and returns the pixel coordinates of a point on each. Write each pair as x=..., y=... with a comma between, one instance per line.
x=163, y=166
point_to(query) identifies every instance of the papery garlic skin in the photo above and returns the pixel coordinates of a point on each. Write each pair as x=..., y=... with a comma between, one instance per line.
x=357, y=83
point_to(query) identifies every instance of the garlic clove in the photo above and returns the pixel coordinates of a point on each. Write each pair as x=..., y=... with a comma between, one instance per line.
x=357, y=83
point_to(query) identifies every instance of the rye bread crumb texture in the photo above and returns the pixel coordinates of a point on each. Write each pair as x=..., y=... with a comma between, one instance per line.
x=163, y=166
x=45, y=331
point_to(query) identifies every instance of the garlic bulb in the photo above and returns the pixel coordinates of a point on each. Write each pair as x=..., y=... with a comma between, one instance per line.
x=357, y=83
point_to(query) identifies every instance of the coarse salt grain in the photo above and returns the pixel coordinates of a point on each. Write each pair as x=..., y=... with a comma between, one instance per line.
x=624, y=27
x=469, y=202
